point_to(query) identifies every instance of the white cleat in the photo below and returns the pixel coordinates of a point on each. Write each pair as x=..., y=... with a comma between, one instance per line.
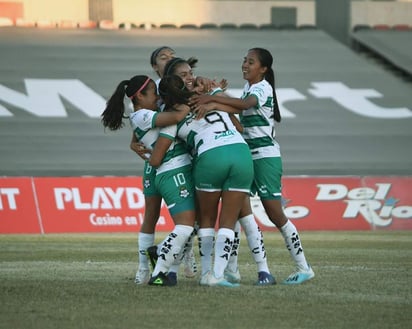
x=300, y=276
x=232, y=277
x=142, y=276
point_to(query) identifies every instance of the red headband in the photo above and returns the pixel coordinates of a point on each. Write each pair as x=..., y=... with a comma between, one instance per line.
x=141, y=88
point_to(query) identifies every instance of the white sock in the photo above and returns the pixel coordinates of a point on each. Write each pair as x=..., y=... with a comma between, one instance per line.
x=206, y=237
x=293, y=244
x=255, y=241
x=145, y=240
x=232, y=265
x=171, y=248
x=223, y=247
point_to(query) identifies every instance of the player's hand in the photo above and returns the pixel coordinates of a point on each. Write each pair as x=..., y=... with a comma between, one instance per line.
x=140, y=150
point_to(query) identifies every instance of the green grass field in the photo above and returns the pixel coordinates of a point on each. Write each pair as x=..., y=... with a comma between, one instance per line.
x=363, y=280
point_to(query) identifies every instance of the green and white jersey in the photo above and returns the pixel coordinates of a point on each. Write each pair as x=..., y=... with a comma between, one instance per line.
x=258, y=122
x=144, y=127
x=214, y=130
x=143, y=124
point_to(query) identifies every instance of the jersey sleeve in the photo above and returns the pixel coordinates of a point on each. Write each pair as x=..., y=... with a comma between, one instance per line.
x=169, y=132
x=143, y=119
x=260, y=93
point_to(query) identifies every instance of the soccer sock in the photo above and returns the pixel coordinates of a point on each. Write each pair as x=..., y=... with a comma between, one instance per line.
x=255, y=241
x=171, y=248
x=223, y=247
x=293, y=244
x=232, y=265
x=189, y=242
x=206, y=238
x=145, y=240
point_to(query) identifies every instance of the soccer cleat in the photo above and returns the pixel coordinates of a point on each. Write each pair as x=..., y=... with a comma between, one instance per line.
x=142, y=276
x=190, y=266
x=161, y=279
x=172, y=277
x=210, y=280
x=265, y=279
x=232, y=277
x=299, y=276
x=204, y=279
x=151, y=253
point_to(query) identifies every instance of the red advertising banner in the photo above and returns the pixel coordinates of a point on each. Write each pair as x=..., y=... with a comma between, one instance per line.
x=94, y=204
x=18, y=210
x=116, y=204
x=345, y=203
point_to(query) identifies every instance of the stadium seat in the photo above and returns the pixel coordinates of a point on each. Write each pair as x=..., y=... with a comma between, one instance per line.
x=268, y=27
x=360, y=27
x=401, y=27
x=208, y=26
x=188, y=26
x=248, y=26
x=106, y=24
x=6, y=21
x=127, y=26
x=228, y=26
x=45, y=24
x=381, y=27
x=287, y=26
x=147, y=26
x=168, y=26
x=67, y=24
x=21, y=22
x=307, y=27
x=87, y=25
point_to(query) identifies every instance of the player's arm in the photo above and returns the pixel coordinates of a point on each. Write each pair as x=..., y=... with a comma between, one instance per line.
x=168, y=118
x=163, y=143
x=139, y=148
x=240, y=104
x=202, y=109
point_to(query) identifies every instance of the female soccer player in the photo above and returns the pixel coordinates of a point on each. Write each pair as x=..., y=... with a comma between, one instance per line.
x=145, y=121
x=258, y=109
x=228, y=179
x=146, y=238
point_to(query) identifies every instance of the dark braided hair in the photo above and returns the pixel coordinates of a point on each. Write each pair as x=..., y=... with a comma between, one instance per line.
x=266, y=60
x=173, y=91
x=113, y=115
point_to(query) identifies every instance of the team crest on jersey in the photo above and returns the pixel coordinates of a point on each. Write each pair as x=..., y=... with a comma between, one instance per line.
x=184, y=193
x=147, y=183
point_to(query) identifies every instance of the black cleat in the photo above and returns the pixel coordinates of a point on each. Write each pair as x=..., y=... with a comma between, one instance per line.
x=161, y=280
x=151, y=252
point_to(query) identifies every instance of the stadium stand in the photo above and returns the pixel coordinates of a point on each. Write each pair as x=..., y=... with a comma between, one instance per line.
x=342, y=114
x=394, y=46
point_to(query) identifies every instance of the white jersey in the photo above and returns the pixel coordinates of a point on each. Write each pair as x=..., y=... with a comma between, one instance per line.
x=143, y=124
x=258, y=122
x=144, y=127
x=214, y=130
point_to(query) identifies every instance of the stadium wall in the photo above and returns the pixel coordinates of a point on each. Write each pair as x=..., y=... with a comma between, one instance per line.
x=39, y=205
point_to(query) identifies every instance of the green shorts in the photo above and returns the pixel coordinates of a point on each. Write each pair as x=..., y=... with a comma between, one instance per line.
x=225, y=168
x=149, y=175
x=267, y=181
x=177, y=189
